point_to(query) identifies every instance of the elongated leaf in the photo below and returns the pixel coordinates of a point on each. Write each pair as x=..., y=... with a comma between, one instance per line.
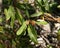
x=20, y=6
x=58, y=6
x=37, y=14
x=45, y=1
x=27, y=13
x=1, y=29
x=1, y=19
x=1, y=45
x=59, y=32
x=19, y=17
x=21, y=29
x=7, y=14
x=32, y=33
x=40, y=2
x=47, y=7
x=58, y=35
x=12, y=21
x=11, y=12
x=41, y=22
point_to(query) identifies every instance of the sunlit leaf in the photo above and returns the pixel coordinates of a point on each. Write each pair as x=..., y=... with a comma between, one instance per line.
x=12, y=21
x=7, y=14
x=53, y=4
x=11, y=12
x=21, y=29
x=59, y=32
x=41, y=22
x=58, y=6
x=40, y=2
x=1, y=46
x=37, y=14
x=58, y=35
x=27, y=13
x=13, y=43
x=19, y=17
x=1, y=19
x=47, y=7
x=32, y=33
x=49, y=46
x=1, y=29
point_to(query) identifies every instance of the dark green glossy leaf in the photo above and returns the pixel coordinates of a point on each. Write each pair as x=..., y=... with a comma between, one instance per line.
x=32, y=33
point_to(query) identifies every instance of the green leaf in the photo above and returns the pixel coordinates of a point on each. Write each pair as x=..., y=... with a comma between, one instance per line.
x=47, y=7
x=58, y=32
x=58, y=6
x=13, y=43
x=1, y=19
x=41, y=22
x=12, y=21
x=21, y=6
x=32, y=33
x=45, y=1
x=58, y=35
x=11, y=12
x=7, y=14
x=49, y=46
x=37, y=14
x=1, y=29
x=40, y=2
x=21, y=29
x=53, y=4
x=27, y=13
x=19, y=17
x=1, y=46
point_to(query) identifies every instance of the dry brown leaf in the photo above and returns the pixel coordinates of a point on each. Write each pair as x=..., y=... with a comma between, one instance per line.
x=49, y=17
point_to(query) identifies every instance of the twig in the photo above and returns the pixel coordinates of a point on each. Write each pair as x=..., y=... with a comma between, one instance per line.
x=45, y=39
